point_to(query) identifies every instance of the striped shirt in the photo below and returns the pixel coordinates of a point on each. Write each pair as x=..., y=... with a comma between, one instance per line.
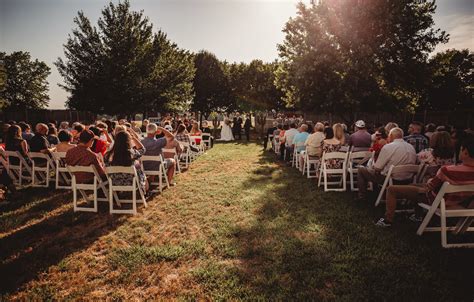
x=418, y=141
x=455, y=175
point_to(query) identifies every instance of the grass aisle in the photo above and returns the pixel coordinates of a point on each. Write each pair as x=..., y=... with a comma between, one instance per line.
x=237, y=226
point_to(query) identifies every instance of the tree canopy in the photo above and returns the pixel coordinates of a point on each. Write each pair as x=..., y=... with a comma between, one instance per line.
x=122, y=66
x=23, y=82
x=346, y=56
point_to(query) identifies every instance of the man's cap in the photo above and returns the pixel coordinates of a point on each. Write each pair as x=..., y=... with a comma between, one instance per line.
x=86, y=136
x=360, y=124
x=168, y=127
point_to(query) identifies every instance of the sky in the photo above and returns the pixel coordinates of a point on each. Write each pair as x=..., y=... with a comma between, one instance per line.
x=234, y=30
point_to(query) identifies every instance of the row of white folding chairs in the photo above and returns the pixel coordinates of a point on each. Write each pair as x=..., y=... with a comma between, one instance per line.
x=38, y=175
x=110, y=194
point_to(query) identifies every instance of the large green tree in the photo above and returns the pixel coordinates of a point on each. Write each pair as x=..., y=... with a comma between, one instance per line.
x=344, y=56
x=452, y=81
x=23, y=82
x=211, y=84
x=122, y=67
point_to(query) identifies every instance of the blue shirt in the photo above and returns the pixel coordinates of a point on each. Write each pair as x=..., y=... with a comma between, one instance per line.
x=300, y=138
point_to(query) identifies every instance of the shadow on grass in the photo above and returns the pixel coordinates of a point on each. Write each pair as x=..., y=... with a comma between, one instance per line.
x=309, y=245
x=31, y=248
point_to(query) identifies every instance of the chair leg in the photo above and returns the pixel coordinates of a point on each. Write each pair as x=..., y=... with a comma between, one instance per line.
x=444, y=235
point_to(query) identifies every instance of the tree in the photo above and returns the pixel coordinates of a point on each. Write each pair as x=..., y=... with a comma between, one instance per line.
x=345, y=56
x=24, y=82
x=452, y=80
x=211, y=86
x=121, y=66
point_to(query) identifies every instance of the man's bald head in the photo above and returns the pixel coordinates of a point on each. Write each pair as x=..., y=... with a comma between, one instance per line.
x=396, y=133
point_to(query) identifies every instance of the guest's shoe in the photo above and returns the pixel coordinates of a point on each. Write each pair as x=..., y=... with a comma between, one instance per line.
x=383, y=223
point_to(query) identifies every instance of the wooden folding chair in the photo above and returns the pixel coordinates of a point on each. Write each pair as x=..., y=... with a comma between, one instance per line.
x=161, y=172
x=40, y=172
x=326, y=172
x=414, y=170
x=465, y=215
x=115, y=189
x=98, y=185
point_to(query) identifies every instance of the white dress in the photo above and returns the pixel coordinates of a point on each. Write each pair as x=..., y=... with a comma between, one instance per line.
x=226, y=132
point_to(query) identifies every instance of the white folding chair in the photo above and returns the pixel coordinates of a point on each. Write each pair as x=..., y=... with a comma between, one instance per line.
x=413, y=170
x=161, y=172
x=206, y=139
x=354, y=161
x=185, y=157
x=20, y=171
x=98, y=185
x=175, y=156
x=465, y=215
x=326, y=172
x=276, y=144
x=295, y=161
x=115, y=189
x=308, y=161
x=61, y=171
x=42, y=172
x=200, y=146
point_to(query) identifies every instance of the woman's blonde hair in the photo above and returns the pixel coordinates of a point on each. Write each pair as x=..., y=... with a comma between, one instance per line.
x=339, y=133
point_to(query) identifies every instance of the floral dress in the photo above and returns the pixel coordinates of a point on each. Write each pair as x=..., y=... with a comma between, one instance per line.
x=125, y=179
x=434, y=163
x=332, y=163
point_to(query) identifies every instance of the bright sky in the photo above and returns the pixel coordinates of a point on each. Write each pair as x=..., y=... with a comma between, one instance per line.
x=235, y=30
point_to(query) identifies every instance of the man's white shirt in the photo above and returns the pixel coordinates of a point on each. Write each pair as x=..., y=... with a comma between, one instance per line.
x=396, y=153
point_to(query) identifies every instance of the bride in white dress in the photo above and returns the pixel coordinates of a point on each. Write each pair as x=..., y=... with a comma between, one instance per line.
x=226, y=131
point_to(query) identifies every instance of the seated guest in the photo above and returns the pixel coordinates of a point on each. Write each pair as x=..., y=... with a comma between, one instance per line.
x=380, y=141
x=301, y=137
x=99, y=145
x=64, y=126
x=136, y=128
x=396, y=152
x=39, y=143
x=361, y=139
x=462, y=174
x=207, y=130
x=430, y=129
x=81, y=155
x=390, y=126
x=123, y=154
x=183, y=136
x=144, y=125
x=440, y=153
x=339, y=133
x=288, y=141
x=26, y=131
x=415, y=138
x=195, y=131
x=52, y=135
x=65, y=140
x=15, y=142
x=331, y=144
x=314, y=143
x=154, y=147
x=270, y=131
x=77, y=129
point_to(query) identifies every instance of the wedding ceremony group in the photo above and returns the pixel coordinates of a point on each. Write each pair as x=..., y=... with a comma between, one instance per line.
x=236, y=150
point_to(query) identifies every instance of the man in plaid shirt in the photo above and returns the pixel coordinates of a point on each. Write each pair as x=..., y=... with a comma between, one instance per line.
x=416, y=139
x=462, y=174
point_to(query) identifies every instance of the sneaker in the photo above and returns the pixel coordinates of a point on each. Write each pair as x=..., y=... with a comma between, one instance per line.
x=383, y=223
x=415, y=218
x=172, y=184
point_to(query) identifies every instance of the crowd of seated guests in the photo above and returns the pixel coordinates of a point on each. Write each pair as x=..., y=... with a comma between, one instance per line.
x=101, y=144
x=446, y=153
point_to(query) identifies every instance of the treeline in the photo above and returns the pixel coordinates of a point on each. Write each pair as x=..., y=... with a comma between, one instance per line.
x=338, y=56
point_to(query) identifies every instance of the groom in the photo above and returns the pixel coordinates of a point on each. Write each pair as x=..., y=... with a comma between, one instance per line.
x=237, y=126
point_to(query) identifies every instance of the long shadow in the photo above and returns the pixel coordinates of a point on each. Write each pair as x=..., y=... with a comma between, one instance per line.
x=31, y=250
x=309, y=245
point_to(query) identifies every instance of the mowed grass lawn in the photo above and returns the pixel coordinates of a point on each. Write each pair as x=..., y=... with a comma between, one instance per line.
x=238, y=226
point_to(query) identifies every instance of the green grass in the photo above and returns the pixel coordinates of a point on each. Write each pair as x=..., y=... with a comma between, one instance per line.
x=239, y=226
